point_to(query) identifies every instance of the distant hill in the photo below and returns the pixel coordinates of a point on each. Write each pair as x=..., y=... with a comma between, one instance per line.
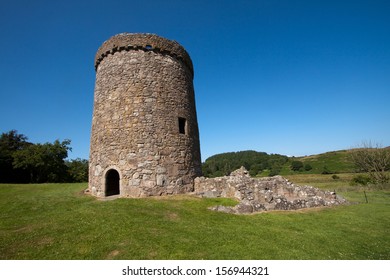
x=263, y=164
x=329, y=162
x=255, y=162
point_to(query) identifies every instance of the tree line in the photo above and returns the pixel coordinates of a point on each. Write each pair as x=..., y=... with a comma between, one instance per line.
x=254, y=162
x=372, y=162
x=25, y=162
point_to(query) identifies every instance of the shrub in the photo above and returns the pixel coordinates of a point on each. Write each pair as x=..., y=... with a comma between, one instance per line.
x=274, y=171
x=360, y=179
x=308, y=167
x=335, y=177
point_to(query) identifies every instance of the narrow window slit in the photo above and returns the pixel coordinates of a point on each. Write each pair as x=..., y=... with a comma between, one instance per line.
x=182, y=126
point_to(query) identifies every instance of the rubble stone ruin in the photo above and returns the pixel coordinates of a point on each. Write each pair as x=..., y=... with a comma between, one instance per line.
x=263, y=194
x=144, y=138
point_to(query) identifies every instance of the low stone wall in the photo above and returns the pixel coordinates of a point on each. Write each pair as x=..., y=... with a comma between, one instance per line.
x=263, y=194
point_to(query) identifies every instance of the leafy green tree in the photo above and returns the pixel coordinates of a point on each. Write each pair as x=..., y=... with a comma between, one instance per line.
x=255, y=162
x=78, y=170
x=255, y=169
x=296, y=165
x=44, y=162
x=10, y=143
x=206, y=171
x=30, y=159
x=24, y=162
x=275, y=170
x=275, y=163
x=308, y=167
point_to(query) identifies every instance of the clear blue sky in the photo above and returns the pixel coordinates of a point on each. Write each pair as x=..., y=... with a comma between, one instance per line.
x=289, y=77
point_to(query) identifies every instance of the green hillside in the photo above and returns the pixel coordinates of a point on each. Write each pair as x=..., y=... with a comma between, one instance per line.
x=255, y=162
x=263, y=164
x=326, y=163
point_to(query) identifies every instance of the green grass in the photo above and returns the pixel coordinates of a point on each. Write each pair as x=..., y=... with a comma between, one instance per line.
x=56, y=221
x=325, y=181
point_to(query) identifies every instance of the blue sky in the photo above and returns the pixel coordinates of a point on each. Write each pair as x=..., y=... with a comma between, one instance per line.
x=289, y=77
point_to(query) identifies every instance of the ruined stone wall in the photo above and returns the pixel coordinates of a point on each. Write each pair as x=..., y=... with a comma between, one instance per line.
x=263, y=194
x=144, y=120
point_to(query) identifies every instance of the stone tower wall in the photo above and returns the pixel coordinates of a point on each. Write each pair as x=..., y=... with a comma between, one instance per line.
x=144, y=120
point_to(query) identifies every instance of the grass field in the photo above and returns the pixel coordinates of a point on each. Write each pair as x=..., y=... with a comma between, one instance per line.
x=57, y=221
x=326, y=181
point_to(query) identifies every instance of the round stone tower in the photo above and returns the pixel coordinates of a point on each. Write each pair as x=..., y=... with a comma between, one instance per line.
x=145, y=138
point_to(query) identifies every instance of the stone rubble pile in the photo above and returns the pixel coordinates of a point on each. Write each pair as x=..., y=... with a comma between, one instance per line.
x=263, y=194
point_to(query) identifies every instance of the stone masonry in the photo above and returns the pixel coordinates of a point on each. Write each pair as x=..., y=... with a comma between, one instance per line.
x=144, y=138
x=263, y=194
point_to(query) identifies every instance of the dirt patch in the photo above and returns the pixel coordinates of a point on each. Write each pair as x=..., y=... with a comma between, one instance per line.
x=45, y=241
x=171, y=216
x=113, y=254
x=28, y=228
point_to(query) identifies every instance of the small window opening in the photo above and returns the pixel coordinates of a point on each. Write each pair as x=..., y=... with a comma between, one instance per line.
x=182, y=125
x=148, y=47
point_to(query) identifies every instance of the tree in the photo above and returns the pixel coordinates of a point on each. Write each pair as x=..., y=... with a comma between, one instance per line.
x=275, y=163
x=255, y=162
x=31, y=160
x=308, y=167
x=25, y=162
x=10, y=143
x=275, y=170
x=374, y=160
x=78, y=170
x=296, y=165
x=255, y=169
x=44, y=162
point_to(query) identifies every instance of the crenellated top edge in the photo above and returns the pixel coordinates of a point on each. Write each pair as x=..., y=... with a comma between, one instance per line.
x=144, y=42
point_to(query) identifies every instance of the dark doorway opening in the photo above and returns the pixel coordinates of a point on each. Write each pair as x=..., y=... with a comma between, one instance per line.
x=112, y=182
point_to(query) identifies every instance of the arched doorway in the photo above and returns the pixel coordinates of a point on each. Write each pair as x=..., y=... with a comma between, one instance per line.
x=112, y=182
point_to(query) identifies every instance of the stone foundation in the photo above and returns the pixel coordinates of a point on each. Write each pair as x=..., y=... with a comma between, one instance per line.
x=263, y=194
